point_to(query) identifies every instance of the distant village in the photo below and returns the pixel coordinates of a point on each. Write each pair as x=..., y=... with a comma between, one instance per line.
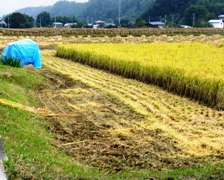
x=215, y=23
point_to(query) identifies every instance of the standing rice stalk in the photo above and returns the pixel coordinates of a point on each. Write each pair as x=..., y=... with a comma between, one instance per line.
x=193, y=70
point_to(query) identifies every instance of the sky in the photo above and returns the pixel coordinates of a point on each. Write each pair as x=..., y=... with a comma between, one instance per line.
x=9, y=6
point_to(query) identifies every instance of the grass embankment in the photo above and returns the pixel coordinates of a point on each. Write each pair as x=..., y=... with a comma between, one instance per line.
x=194, y=70
x=25, y=136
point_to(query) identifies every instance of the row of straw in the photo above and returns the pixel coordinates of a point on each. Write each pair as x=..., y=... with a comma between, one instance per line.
x=115, y=31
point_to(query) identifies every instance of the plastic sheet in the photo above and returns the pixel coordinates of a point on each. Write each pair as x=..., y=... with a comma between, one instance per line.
x=26, y=50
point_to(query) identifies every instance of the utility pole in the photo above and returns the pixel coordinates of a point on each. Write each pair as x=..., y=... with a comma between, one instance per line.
x=87, y=20
x=149, y=19
x=173, y=20
x=34, y=23
x=55, y=20
x=193, y=19
x=40, y=21
x=165, y=17
x=8, y=21
x=119, y=12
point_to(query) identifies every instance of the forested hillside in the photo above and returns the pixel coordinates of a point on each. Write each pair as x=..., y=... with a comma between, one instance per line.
x=108, y=9
x=94, y=9
x=185, y=11
x=171, y=11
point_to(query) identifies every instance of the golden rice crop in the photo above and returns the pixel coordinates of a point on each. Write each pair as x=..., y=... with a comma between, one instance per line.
x=194, y=70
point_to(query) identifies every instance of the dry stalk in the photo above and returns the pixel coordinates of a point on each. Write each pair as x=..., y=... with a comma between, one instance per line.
x=39, y=111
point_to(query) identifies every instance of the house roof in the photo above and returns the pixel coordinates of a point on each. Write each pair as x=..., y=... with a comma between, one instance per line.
x=3, y=22
x=70, y=24
x=215, y=21
x=99, y=21
x=57, y=23
x=157, y=23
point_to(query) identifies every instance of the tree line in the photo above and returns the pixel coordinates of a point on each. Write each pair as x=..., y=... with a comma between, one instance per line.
x=189, y=12
x=19, y=20
x=44, y=19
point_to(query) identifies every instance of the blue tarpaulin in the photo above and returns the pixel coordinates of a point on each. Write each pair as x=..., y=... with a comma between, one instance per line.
x=25, y=50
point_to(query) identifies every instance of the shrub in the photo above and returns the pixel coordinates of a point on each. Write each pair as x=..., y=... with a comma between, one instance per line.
x=97, y=35
x=12, y=62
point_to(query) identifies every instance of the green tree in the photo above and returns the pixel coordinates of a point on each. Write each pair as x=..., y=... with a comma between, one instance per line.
x=64, y=19
x=29, y=21
x=196, y=14
x=140, y=22
x=124, y=22
x=43, y=19
x=183, y=11
x=167, y=7
x=19, y=20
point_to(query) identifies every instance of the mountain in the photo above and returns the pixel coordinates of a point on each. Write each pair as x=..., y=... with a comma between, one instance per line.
x=34, y=11
x=94, y=9
x=185, y=11
x=67, y=8
x=61, y=8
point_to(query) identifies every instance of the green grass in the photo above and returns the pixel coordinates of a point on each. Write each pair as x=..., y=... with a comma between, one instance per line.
x=28, y=140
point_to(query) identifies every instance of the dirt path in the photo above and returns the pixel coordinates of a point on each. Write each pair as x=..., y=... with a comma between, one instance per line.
x=126, y=124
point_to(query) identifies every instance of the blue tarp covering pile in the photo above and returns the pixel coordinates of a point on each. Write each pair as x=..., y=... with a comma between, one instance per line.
x=26, y=50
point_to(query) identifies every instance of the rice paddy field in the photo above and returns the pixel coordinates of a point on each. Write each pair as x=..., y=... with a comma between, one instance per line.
x=195, y=70
x=126, y=125
x=147, y=108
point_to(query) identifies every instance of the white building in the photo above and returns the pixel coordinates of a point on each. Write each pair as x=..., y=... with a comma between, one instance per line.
x=69, y=25
x=3, y=23
x=221, y=17
x=99, y=24
x=57, y=24
x=157, y=24
x=217, y=23
x=185, y=26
